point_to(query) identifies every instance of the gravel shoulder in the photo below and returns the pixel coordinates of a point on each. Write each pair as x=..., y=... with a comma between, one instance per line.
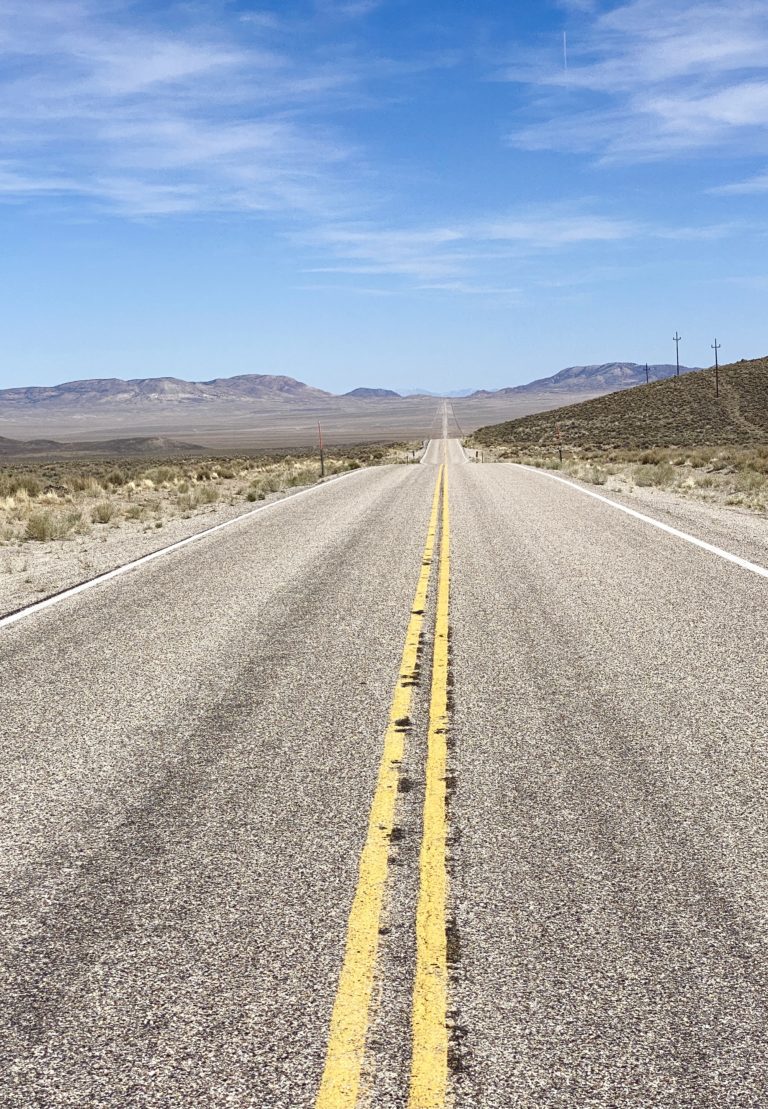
x=741, y=531
x=32, y=571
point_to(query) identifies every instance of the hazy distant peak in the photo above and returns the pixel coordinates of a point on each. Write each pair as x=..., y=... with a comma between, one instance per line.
x=362, y=391
x=431, y=393
x=605, y=377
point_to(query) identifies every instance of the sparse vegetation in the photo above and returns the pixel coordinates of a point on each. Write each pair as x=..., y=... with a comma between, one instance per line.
x=56, y=499
x=726, y=475
x=679, y=412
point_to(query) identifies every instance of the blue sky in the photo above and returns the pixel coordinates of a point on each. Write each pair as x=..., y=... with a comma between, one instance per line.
x=379, y=192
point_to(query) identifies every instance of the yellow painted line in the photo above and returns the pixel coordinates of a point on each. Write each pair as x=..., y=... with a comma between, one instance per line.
x=340, y=1083
x=429, y=1064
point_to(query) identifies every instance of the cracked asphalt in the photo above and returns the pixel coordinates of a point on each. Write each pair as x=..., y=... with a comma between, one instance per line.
x=189, y=754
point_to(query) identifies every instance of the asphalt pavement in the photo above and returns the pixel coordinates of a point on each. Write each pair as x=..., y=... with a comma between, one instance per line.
x=191, y=751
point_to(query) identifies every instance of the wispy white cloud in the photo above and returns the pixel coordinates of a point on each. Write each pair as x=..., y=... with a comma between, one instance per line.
x=653, y=78
x=427, y=253
x=154, y=121
x=461, y=257
x=230, y=114
x=548, y=230
x=748, y=187
x=473, y=289
x=348, y=9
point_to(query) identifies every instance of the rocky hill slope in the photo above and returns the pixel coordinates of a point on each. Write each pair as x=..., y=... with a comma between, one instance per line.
x=682, y=411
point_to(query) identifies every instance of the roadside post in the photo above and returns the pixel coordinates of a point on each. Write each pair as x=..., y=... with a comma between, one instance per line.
x=559, y=441
x=676, y=339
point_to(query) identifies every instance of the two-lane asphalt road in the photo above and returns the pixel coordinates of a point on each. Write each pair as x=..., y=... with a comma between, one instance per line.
x=266, y=841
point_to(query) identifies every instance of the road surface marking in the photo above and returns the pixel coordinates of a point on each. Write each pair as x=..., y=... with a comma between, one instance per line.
x=65, y=594
x=753, y=567
x=340, y=1083
x=429, y=1065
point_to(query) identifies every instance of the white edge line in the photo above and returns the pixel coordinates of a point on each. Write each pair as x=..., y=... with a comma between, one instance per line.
x=753, y=567
x=65, y=594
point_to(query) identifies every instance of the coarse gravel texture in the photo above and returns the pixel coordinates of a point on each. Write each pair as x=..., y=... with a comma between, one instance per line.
x=737, y=530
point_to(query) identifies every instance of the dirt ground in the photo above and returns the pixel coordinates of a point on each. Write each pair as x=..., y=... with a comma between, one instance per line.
x=64, y=522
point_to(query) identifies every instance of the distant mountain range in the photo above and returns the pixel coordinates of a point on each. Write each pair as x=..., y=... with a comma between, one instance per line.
x=112, y=391
x=606, y=377
x=161, y=406
x=157, y=392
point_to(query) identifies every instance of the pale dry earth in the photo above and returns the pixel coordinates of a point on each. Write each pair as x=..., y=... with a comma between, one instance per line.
x=266, y=424
x=31, y=570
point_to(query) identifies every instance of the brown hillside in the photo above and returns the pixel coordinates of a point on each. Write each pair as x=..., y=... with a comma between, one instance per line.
x=679, y=412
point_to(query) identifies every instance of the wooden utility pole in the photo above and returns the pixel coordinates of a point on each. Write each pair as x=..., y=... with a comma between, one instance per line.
x=716, y=347
x=322, y=456
x=647, y=378
x=677, y=339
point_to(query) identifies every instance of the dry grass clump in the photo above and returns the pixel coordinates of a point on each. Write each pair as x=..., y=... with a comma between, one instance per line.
x=56, y=499
x=103, y=512
x=654, y=473
x=43, y=524
x=11, y=484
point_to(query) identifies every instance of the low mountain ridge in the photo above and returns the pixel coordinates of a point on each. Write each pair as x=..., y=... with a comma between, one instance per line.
x=113, y=391
x=374, y=394
x=148, y=445
x=676, y=412
x=606, y=377
x=264, y=385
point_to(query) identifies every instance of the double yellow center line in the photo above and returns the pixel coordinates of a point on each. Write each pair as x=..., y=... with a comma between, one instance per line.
x=429, y=1065
x=340, y=1084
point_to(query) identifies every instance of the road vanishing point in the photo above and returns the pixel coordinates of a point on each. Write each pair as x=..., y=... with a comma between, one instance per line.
x=442, y=785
